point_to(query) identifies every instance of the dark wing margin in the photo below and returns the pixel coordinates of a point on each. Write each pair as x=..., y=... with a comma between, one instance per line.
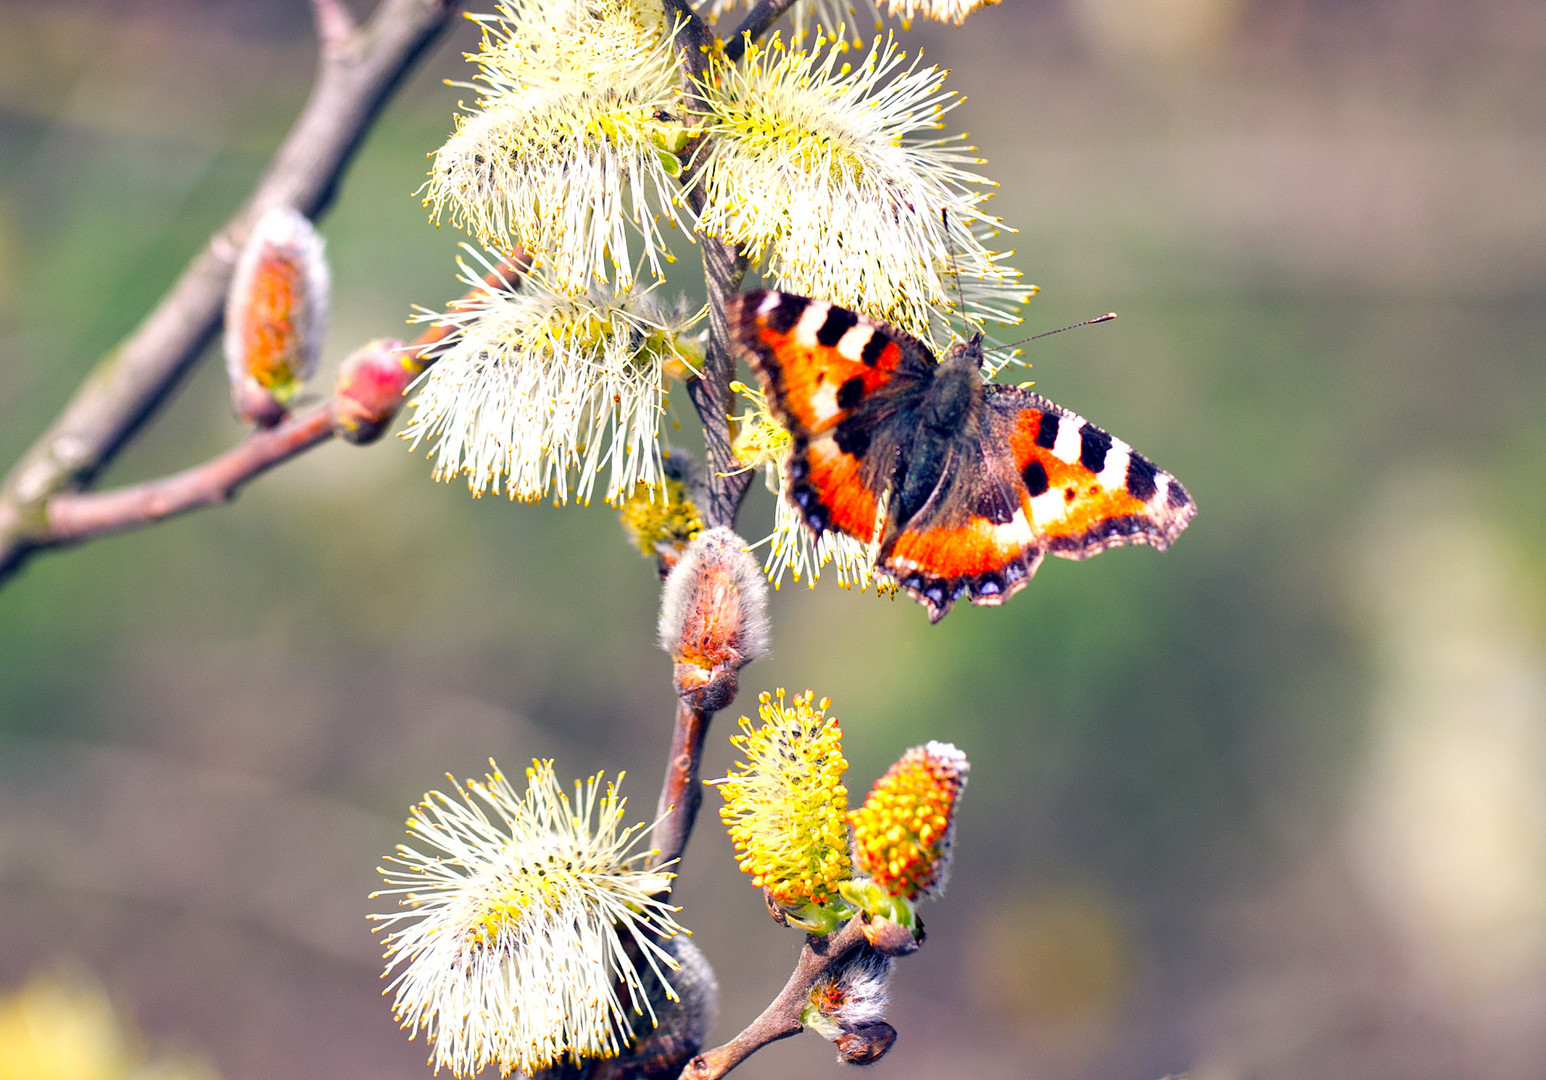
x=971, y=540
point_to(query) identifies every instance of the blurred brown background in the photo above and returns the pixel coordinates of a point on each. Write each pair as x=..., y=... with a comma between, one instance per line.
x=1270, y=805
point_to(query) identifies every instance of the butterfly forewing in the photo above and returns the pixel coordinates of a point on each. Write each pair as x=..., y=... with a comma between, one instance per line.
x=817, y=362
x=840, y=385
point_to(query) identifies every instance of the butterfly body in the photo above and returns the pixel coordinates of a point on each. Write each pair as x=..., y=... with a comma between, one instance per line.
x=963, y=484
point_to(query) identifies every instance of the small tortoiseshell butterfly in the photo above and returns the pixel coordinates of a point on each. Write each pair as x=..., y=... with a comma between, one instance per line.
x=977, y=481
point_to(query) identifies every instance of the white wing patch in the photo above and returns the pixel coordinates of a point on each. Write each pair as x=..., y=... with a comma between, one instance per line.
x=811, y=321
x=1113, y=477
x=1068, y=445
x=851, y=347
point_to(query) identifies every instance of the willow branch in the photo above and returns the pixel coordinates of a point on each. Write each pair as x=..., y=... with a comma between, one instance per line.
x=72, y=517
x=725, y=478
x=359, y=68
x=820, y=957
x=756, y=23
x=681, y=794
x=724, y=266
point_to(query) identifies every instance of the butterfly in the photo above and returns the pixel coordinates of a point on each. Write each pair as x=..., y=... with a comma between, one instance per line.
x=962, y=485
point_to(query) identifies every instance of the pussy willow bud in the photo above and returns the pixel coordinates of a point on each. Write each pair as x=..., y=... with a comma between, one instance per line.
x=713, y=618
x=370, y=388
x=865, y=1045
x=275, y=316
x=848, y=1008
x=684, y=1020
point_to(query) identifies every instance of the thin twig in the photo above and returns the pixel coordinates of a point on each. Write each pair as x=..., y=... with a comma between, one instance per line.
x=356, y=75
x=781, y=1019
x=693, y=37
x=72, y=517
x=756, y=23
x=335, y=26
x=680, y=793
x=76, y=517
x=724, y=266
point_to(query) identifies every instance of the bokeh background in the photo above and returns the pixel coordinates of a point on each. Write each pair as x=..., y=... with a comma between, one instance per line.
x=1270, y=805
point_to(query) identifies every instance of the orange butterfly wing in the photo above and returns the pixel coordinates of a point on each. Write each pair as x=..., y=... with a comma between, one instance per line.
x=1043, y=480
x=823, y=369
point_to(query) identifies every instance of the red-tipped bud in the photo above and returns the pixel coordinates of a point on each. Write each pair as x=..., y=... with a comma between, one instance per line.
x=275, y=316
x=371, y=382
x=891, y=938
x=713, y=618
x=903, y=831
x=865, y=1045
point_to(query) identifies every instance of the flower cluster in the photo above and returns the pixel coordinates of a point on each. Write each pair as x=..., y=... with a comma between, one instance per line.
x=785, y=804
x=582, y=151
x=787, y=810
x=814, y=166
x=547, y=389
x=832, y=14
x=903, y=831
x=661, y=522
x=525, y=922
x=571, y=147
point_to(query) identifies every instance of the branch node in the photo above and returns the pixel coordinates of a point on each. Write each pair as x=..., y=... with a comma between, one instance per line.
x=335, y=26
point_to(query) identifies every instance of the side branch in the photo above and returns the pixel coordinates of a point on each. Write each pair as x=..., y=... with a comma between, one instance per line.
x=781, y=1019
x=756, y=23
x=723, y=268
x=70, y=518
x=360, y=68
x=73, y=518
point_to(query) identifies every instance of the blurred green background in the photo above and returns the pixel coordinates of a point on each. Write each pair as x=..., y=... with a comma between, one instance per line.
x=1270, y=805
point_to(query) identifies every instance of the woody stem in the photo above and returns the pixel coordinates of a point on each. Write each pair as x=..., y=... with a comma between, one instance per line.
x=360, y=67
x=781, y=1019
x=756, y=23
x=74, y=517
x=681, y=794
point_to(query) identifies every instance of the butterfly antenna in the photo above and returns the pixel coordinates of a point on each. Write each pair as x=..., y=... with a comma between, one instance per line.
x=1048, y=333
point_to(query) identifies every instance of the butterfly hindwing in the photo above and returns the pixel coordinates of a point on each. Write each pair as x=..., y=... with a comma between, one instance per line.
x=1036, y=479
x=972, y=539
x=1085, y=490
